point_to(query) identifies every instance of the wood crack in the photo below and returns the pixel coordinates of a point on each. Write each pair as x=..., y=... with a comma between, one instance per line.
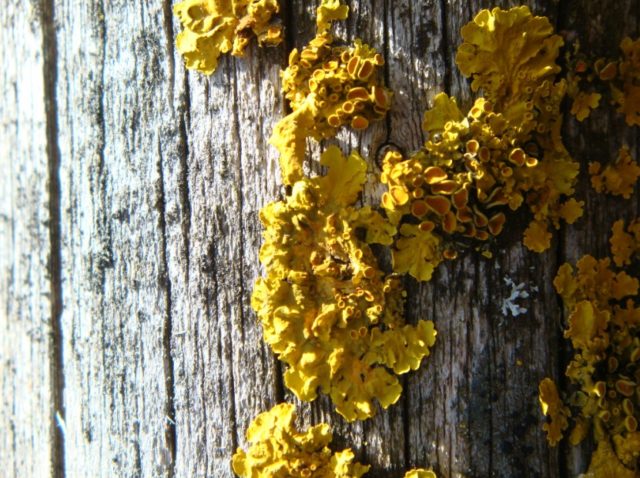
x=167, y=326
x=445, y=47
x=183, y=180
x=240, y=185
x=168, y=31
x=56, y=359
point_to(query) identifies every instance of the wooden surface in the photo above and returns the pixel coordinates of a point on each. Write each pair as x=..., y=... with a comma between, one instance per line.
x=129, y=236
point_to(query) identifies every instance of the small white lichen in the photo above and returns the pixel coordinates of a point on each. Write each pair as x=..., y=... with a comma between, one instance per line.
x=509, y=305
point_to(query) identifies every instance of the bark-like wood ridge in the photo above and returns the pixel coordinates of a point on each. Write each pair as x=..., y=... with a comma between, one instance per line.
x=129, y=239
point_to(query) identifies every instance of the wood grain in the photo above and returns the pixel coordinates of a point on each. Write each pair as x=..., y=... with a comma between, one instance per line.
x=27, y=384
x=129, y=238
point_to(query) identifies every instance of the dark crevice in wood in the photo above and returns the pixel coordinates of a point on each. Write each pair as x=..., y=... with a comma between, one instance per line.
x=105, y=259
x=492, y=381
x=386, y=75
x=563, y=355
x=445, y=47
x=406, y=432
x=168, y=31
x=167, y=326
x=183, y=179
x=56, y=358
x=286, y=13
x=240, y=191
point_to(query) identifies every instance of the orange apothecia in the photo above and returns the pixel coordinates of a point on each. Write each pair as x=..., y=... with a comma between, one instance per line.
x=604, y=374
x=327, y=86
x=506, y=152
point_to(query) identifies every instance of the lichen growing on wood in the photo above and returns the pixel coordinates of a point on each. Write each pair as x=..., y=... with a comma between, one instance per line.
x=214, y=27
x=604, y=373
x=327, y=310
x=278, y=450
x=327, y=87
x=617, y=178
x=505, y=152
x=616, y=79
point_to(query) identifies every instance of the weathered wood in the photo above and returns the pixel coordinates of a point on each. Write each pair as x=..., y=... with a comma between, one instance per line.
x=133, y=195
x=600, y=30
x=113, y=93
x=27, y=384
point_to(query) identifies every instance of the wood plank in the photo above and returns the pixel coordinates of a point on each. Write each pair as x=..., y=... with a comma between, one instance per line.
x=113, y=84
x=225, y=374
x=27, y=404
x=480, y=383
x=162, y=175
x=598, y=138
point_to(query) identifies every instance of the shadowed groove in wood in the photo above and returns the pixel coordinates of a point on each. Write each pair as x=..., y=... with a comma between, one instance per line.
x=167, y=325
x=563, y=356
x=236, y=437
x=56, y=362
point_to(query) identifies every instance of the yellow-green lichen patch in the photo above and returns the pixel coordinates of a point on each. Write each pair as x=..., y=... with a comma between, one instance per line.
x=278, y=450
x=604, y=373
x=214, y=27
x=326, y=308
x=327, y=87
x=618, y=178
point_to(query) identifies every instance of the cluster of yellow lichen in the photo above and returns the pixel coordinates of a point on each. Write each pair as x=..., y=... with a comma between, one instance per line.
x=604, y=373
x=326, y=308
x=504, y=153
x=589, y=80
x=625, y=244
x=327, y=87
x=278, y=450
x=214, y=27
x=618, y=178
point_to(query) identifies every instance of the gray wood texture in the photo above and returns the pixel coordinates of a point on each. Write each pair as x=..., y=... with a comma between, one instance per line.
x=129, y=240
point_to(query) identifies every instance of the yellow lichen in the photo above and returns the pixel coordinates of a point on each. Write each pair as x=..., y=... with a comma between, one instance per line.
x=278, y=450
x=326, y=308
x=553, y=408
x=420, y=473
x=214, y=27
x=604, y=373
x=583, y=103
x=625, y=245
x=328, y=12
x=504, y=153
x=508, y=54
x=605, y=464
x=327, y=87
x=628, y=96
x=621, y=76
x=618, y=178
